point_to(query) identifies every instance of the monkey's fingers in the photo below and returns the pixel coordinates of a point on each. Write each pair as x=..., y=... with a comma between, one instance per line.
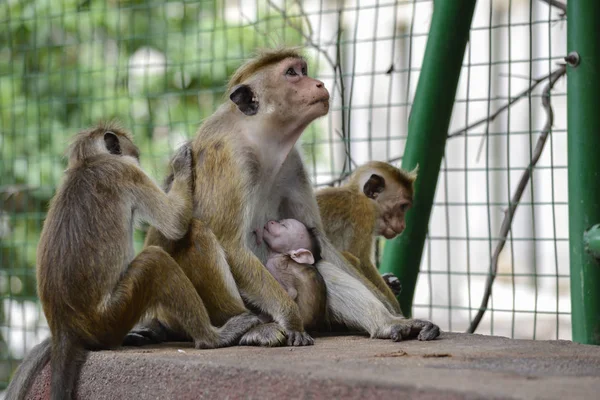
x=136, y=339
x=429, y=332
x=145, y=335
x=258, y=233
x=393, y=282
x=182, y=160
x=267, y=335
x=295, y=338
x=415, y=328
x=400, y=332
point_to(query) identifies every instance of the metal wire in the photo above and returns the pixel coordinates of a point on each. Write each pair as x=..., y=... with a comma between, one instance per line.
x=160, y=67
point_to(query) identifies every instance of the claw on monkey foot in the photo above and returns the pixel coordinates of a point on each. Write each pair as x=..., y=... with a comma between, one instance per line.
x=295, y=338
x=267, y=335
x=414, y=328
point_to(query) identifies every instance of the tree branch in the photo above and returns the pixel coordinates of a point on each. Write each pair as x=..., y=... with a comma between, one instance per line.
x=558, y=4
x=493, y=116
x=516, y=198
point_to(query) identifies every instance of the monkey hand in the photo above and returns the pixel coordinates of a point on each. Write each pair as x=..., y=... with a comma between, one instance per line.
x=182, y=163
x=411, y=328
x=258, y=233
x=296, y=338
x=393, y=282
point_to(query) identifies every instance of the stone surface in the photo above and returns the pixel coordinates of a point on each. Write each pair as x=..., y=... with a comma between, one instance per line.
x=456, y=366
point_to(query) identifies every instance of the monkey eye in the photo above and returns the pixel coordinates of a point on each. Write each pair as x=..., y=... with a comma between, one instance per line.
x=304, y=71
x=404, y=207
x=291, y=71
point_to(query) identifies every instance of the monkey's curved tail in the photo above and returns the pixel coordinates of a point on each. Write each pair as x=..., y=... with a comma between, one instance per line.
x=68, y=356
x=30, y=368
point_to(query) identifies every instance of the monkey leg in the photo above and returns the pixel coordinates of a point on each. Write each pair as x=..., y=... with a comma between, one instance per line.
x=204, y=262
x=154, y=278
x=202, y=259
x=260, y=288
x=351, y=303
x=369, y=271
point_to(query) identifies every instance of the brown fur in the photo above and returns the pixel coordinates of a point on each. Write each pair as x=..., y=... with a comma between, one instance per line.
x=247, y=172
x=352, y=219
x=286, y=239
x=264, y=58
x=91, y=286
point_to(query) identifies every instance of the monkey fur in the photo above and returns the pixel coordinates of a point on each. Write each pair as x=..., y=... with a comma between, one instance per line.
x=293, y=251
x=92, y=287
x=372, y=203
x=248, y=170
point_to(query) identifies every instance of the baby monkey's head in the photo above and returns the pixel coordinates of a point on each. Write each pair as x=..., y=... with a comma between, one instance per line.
x=293, y=238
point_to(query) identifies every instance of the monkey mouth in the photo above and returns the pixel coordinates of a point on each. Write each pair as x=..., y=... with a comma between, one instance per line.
x=324, y=99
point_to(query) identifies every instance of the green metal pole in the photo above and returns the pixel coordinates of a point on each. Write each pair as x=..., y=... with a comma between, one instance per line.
x=591, y=241
x=427, y=131
x=583, y=140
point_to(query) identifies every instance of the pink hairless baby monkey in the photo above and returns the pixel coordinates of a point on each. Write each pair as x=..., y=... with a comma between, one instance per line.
x=293, y=251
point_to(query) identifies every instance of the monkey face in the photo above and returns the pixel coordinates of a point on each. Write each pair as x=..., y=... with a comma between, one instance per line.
x=293, y=96
x=286, y=235
x=391, y=222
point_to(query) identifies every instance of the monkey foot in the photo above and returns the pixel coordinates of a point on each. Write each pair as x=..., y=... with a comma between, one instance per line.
x=414, y=328
x=143, y=337
x=268, y=335
x=295, y=338
x=393, y=282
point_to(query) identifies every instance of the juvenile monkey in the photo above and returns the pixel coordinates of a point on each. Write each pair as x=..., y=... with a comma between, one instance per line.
x=92, y=287
x=372, y=203
x=247, y=171
x=293, y=251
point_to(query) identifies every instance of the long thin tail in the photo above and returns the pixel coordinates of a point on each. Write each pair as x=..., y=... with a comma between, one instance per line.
x=31, y=367
x=68, y=357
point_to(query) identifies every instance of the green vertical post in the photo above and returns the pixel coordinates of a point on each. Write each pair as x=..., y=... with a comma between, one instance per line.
x=583, y=141
x=427, y=133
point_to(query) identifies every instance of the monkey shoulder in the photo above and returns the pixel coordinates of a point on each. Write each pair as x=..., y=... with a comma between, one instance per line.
x=308, y=276
x=343, y=202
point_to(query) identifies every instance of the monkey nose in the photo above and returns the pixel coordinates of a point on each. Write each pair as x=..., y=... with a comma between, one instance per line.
x=320, y=84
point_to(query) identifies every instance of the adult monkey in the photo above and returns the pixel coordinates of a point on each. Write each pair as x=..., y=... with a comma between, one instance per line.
x=248, y=172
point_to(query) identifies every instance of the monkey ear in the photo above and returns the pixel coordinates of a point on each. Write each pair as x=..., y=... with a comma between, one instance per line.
x=244, y=98
x=112, y=143
x=374, y=186
x=302, y=256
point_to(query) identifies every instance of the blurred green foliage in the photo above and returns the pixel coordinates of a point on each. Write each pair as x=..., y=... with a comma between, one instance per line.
x=159, y=67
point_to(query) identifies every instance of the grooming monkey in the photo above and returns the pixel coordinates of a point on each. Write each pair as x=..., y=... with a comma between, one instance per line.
x=372, y=203
x=293, y=251
x=248, y=171
x=92, y=287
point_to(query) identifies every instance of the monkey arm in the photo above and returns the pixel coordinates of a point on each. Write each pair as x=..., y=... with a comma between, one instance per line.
x=254, y=281
x=169, y=213
x=352, y=260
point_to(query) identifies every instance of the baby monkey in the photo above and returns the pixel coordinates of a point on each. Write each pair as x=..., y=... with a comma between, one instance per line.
x=293, y=251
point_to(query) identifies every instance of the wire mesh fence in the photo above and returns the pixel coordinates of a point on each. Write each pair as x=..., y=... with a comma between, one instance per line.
x=160, y=67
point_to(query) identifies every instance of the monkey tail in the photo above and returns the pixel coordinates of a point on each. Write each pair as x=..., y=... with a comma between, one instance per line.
x=31, y=367
x=68, y=356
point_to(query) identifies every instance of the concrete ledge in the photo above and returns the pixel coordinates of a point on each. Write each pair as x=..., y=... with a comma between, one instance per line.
x=457, y=366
